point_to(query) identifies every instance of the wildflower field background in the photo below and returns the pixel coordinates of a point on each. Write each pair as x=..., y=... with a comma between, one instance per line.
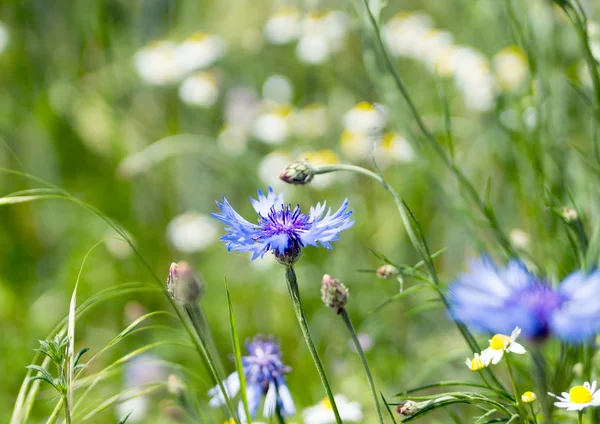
x=139, y=115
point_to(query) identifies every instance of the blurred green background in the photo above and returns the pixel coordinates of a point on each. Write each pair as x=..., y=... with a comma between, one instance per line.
x=75, y=111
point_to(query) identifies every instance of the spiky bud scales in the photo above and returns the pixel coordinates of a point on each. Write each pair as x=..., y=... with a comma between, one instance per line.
x=334, y=293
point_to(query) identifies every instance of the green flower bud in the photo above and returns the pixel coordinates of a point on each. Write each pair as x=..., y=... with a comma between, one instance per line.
x=183, y=285
x=333, y=293
x=299, y=172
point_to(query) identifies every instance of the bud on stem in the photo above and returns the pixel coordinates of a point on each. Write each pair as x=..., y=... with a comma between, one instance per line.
x=183, y=285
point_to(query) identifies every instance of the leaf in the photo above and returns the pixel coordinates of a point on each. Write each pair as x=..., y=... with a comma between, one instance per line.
x=125, y=418
x=238, y=356
x=397, y=296
x=79, y=355
x=388, y=408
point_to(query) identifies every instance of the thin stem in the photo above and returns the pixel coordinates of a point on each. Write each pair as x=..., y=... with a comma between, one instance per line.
x=514, y=386
x=535, y=421
x=363, y=359
x=417, y=238
x=192, y=312
x=67, y=409
x=292, y=282
x=580, y=420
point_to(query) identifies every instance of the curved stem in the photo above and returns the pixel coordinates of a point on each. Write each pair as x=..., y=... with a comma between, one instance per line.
x=363, y=359
x=292, y=282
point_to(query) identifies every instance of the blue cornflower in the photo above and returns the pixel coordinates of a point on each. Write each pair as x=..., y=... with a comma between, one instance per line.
x=264, y=372
x=497, y=300
x=281, y=229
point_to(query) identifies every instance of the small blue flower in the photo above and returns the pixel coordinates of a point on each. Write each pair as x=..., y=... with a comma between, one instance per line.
x=281, y=229
x=264, y=372
x=497, y=300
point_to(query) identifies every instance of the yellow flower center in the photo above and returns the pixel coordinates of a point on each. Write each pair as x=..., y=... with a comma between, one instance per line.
x=580, y=395
x=528, y=397
x=364, y=106
x=499, y=341
x=476, y=364
x=198, y=36
x=327, y=404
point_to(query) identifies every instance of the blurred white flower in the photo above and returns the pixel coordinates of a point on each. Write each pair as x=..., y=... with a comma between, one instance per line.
x=116, y=246
x=510, y=66
x=474, y=79
x=320, y=158
x=273, y=126
x=365, y=118
x=156, y=63
x=278, y=88
x=434, y=45
x=271, y=166
x=404, y=33
x=356, y=145
x=393, y=148
x=322, y=413
x=200, y=89
x=139, y=407
x=232, y=140
x=200, y=51
x=241, y=107
x=519, y=238
x=311, y=121
x=3, y=37
x=283, y=26
x=323, y=34
x=191, y=232
x=313, y=49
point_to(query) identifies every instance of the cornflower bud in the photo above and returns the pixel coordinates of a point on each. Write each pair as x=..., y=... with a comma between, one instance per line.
x=299, y=172
x=183, y=285
x=387, y=271
x=333, y=293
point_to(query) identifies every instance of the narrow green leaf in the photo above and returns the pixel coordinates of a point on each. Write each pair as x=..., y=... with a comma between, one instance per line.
x=397, y=296
x=238, y=356
x=125, y=418
x=388, y=408
x=79, y=355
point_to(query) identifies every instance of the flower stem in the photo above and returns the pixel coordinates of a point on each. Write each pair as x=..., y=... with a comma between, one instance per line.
x=67, y=408
x=192, y=312
x=292, y=282
x=580, y=420
x=514, y=386
x=363, y=359
x=535, y=421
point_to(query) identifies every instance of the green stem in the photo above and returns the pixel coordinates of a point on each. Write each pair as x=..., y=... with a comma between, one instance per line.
x=67, y=409
x=417, y=239
x=192, y=312
x=363, y=359
x=292, y=282
x=580, y=414
x=535, y=421
x=514, y=386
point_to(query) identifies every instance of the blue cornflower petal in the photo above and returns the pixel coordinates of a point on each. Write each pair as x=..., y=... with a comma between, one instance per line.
x=578, y=318
x=498, y=300
x=327, y=229
x=281, y=229
x=287, y=404
x=263, y=205
x=264, y=372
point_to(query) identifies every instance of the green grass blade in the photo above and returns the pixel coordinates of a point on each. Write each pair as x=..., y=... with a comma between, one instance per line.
x=238, y=356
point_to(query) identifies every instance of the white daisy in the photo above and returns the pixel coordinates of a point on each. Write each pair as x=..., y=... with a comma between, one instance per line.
x=511, y=68
x=200, y=89
x=476, y=363
x=311, y=121
x=278, y=88
x=156, y=63
x=273, y=126
x=199, y=51
x=322, y=413
x=191, y=232
x=500, y=344
x=365, y=117
x=283, y=27
x=578, y=398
